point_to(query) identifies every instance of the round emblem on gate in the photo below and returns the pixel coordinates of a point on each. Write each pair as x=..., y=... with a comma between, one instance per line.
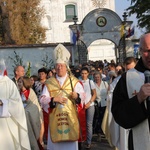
x=101, y=21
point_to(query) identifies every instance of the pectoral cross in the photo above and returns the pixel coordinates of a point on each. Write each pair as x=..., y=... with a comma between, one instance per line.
x=134, y=93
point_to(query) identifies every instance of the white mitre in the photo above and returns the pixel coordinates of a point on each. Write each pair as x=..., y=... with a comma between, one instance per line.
x=61, y=55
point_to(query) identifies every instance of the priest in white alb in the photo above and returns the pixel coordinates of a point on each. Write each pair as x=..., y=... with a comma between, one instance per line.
x=13, y=126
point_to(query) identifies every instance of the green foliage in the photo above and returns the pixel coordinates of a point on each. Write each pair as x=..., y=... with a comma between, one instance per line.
x=24, y=19
x=142, y=10
x=17, y=60
x=1, y=31
x=28, y=73
x=47, y=62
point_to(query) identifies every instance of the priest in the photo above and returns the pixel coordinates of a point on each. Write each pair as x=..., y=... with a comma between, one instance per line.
x=13, y=125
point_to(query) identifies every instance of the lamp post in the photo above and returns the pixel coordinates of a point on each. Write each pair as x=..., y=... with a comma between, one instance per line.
x=125, y=25
x=124, y=34
x=75, y=19
x=125, y=16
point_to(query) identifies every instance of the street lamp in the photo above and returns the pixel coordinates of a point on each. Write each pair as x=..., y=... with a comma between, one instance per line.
x=125, y=25
x=75, y=19
x=125, y=16
x=124, y=35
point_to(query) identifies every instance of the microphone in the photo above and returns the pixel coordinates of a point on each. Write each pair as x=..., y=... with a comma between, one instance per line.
x=147, y=76
x=147, y=80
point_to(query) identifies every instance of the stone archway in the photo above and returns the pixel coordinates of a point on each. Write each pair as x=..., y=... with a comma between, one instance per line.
x=101, y=23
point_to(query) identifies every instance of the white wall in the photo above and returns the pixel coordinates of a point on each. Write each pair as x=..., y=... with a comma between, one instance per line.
x=59, y=29
x=33, y=54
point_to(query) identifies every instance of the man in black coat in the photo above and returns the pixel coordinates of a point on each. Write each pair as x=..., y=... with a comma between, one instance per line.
x=131, y=112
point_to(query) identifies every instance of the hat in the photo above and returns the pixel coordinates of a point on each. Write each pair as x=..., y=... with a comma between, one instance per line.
x=61, y=54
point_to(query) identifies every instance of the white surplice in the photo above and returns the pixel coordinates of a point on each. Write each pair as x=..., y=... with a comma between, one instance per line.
x=13, y=126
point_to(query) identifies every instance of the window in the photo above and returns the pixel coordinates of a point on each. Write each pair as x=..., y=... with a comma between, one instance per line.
x=70, y=12
x=48, y=22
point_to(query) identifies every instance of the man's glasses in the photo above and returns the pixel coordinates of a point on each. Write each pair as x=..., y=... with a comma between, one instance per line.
x=145, y=51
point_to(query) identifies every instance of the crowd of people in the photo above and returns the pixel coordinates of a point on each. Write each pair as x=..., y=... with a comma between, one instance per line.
x=64, y=106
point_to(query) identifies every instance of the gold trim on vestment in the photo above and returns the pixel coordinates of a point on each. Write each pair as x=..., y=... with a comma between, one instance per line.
x=63, y=120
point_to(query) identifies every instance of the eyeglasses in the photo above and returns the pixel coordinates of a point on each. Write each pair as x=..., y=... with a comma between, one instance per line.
x=145, y=51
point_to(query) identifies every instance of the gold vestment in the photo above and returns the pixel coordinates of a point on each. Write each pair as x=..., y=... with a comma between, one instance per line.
x=64, y=124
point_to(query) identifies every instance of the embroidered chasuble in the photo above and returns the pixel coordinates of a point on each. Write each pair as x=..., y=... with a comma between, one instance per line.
x=64, y=125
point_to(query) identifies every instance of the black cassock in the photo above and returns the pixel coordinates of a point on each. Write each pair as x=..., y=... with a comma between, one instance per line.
x=128, y=112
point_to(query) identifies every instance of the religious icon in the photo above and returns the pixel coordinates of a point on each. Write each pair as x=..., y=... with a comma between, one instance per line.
x=101, y=21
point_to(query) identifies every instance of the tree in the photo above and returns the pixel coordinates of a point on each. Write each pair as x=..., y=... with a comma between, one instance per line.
x=23, y=22
x=142, y=10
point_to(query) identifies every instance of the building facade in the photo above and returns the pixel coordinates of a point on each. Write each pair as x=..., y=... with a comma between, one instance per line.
x=59, y=16
x=57, y=19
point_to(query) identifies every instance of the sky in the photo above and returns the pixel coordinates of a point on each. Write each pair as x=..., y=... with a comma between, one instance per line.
x=120, y=6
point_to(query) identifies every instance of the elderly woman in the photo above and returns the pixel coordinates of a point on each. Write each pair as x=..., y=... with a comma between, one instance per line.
x=33, y=112
x=101, y=96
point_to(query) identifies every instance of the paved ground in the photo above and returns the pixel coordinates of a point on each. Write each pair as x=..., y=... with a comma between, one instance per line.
x=99, y=145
